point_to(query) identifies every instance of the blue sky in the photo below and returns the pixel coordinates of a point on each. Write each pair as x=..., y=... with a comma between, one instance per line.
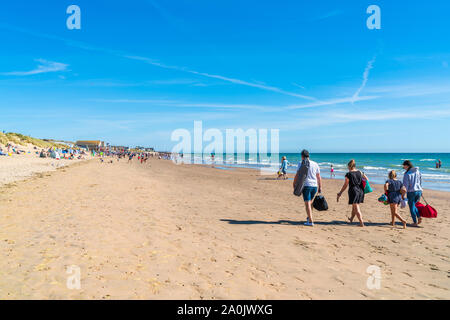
x=137, y=70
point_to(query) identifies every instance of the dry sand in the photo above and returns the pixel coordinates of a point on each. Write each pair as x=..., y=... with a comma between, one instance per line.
x=19, y=167
x=162, y=231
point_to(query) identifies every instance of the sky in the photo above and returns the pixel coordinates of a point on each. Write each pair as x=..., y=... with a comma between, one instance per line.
x=140, y=69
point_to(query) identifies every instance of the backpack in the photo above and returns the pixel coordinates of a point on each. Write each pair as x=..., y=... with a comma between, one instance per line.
x=302, y=173
x=319, y=203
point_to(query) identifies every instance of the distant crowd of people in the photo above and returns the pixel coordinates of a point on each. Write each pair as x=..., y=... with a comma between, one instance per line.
x=58, y=153
x=10, y=150
x=52, y=152
x=142, y=157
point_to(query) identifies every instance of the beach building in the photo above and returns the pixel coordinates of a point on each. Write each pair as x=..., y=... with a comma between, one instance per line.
x=95, y=145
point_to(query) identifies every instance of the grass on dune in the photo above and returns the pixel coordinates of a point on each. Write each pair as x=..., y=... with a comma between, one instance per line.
x=20, y=139
x=3, y=138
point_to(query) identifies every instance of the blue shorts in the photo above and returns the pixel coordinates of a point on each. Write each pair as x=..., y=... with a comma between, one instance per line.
x=309, y=193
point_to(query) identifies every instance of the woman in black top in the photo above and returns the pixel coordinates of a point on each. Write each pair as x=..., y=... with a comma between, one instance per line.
x=393, y=188
x=354, y=180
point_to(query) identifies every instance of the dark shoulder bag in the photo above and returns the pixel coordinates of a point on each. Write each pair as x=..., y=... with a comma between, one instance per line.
x=301, y=173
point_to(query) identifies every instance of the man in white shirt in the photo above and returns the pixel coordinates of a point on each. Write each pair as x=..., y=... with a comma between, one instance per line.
x=313, y=183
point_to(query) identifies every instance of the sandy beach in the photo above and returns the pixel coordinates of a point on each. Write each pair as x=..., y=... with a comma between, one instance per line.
x=22, y=166
x=165, y=231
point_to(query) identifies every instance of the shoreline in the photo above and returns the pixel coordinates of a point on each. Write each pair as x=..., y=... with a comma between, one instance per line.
x=375, y=165
x=292, y=175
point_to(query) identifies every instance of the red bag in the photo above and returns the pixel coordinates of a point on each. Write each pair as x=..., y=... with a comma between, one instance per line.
x=426, y=211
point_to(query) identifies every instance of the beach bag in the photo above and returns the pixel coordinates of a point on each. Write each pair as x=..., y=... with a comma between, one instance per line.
x=366, y=186
x=319, y=203
x=384, y=199
x=302, y=173
x=426, y=211
x=403, y=204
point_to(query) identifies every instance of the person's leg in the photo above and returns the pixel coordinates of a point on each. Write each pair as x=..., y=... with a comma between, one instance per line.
x=359, y=215
x=417, y=199
x=412, y=207
x=308, y=196
x=352, y=216
x=398, y=216
x=309, y=211
x=393, y=209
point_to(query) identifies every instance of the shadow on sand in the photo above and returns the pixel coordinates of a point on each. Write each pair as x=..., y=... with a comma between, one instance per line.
x=274, y=179
x=300, y=223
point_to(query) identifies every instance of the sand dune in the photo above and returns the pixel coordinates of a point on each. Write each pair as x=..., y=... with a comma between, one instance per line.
x=165, y=231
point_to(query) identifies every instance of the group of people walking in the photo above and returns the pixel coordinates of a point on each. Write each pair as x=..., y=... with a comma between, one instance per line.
x=409, y=190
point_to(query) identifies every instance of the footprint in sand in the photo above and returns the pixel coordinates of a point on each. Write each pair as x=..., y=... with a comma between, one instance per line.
x=434, y=267
x=408, y=274
x=408, y=285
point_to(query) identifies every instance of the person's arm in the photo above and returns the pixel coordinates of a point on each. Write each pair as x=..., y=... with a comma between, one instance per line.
x=364, y=176
x=420, y=178
x=386, y=187
x=343, y=189
x=319, y=181
x=405, y=183
x=403, y=191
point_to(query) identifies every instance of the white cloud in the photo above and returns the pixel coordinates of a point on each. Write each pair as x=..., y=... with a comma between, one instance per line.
x=187, y=104
x=156, y=63
x=259, y=107
x=298, y=86
x=43, y=67
x=411, y=90
x=331, y=102
x=365, y=79
x=330, y=118
x=219, y=77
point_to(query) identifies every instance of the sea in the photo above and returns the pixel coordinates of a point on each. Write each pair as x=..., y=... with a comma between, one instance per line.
x=375, y=165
